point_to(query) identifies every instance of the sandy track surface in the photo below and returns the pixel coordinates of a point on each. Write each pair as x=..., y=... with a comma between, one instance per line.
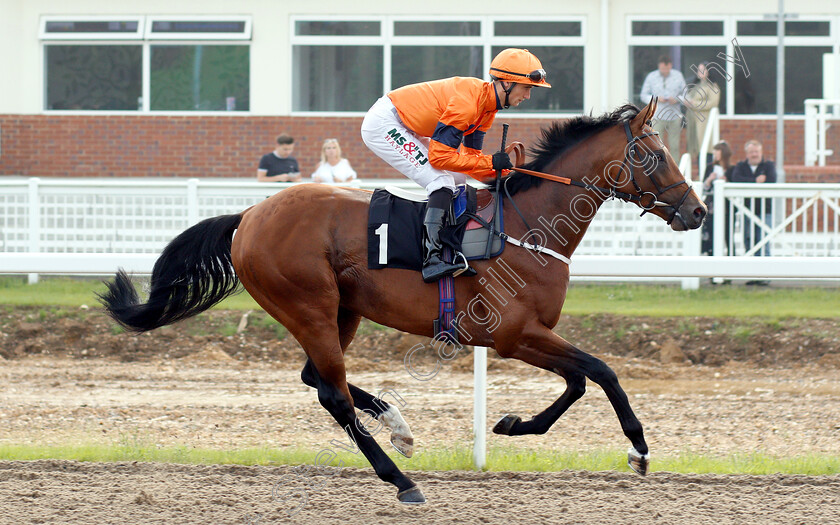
x=209, y=403
x=118, y=493
x=208, y=400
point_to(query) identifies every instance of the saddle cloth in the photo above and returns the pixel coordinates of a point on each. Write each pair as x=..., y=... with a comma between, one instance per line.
x=395, y=227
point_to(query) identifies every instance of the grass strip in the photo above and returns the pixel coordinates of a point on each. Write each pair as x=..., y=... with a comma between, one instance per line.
x=499, y=459
x=619, y=298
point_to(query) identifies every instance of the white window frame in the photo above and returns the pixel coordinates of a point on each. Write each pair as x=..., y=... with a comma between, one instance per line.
x=730, y=27
x=144, y=38
x=486, y=39
x=82, y=36
x=244, y=35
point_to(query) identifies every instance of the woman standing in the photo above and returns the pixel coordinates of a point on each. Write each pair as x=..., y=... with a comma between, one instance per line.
x=699, y=101
x=721, y=169
x=333, y=168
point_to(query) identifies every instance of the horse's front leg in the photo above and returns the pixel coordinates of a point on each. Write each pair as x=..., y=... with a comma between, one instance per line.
x=511, y=425
x=541, y=347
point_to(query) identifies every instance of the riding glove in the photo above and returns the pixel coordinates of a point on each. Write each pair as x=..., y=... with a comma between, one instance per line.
x=501, y=161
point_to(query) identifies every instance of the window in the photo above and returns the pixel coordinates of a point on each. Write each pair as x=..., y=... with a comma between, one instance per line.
x=94, y=77
x=761, y=28
x=690, y=42
x=676, y=28
x=687, y=42
x=437, y=28
x=336, y=78
x=806, y=41
x=413, y=64
x=564, y=66
x=685, y=58
x=346, y=65
x=199, y=77
x=757, y=94
x=97, y=64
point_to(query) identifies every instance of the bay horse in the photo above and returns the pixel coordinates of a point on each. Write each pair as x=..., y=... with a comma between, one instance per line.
x=302, y=255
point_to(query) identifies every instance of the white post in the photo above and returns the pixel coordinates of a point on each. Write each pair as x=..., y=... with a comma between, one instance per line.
x=719, y=218
x=605, y=54
x=710, y=137
x=691, y=239
x=719, y=221
x=780, y=94
x=480, y=407
x=34, y=222
x=822, y=148
x=192, y=201
x=810, y=132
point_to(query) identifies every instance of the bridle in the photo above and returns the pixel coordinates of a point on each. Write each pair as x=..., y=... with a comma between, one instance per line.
x=645, y=199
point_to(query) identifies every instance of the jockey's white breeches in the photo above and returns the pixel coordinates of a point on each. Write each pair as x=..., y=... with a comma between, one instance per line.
x=385, y=134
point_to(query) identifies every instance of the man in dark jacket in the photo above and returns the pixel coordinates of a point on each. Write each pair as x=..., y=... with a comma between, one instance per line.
x=758, y=170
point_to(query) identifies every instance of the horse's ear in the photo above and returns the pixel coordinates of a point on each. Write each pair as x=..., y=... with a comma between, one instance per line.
x=645, y=116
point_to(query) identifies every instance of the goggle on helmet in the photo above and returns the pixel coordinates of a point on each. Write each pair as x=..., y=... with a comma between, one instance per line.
x=520, y=66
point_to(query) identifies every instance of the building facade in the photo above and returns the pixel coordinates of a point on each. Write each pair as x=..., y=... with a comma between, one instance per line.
x=201, y=89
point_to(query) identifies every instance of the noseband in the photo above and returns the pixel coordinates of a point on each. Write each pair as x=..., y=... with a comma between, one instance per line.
x=654, y=198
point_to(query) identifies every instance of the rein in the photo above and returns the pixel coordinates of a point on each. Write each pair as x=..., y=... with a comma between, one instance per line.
x=645, y=202
x=607, y=192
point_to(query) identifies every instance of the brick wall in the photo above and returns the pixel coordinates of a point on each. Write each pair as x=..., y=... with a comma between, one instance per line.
x=230, y=146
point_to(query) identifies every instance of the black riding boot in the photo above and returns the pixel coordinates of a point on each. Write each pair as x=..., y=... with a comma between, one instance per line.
x=434, y=267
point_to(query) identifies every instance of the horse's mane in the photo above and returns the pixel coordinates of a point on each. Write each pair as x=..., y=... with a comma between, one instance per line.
x=560, y=136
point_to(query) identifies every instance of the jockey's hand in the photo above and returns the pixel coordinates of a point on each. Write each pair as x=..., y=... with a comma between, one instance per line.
x=501, y=161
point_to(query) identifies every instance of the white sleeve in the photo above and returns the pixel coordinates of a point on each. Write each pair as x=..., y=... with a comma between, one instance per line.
x=647, y=91
x=322, y=174
x=347, y=173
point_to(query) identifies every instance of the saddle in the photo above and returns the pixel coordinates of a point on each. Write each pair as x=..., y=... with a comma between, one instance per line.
x=395, y=227
x=395, y=224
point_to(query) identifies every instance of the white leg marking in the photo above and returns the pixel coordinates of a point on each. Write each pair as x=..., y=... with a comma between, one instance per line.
x=401, y=437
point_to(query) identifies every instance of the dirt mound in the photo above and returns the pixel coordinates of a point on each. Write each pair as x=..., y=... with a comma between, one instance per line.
x=211, y=353
x=89, y=333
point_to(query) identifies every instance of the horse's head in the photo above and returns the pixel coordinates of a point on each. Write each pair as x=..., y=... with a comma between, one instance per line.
x=649, y=173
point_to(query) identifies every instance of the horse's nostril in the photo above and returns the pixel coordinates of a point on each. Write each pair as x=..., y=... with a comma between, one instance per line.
x=699, y=213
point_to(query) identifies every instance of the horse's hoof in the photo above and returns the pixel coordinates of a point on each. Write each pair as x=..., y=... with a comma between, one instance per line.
x=638, y=462
x=412, y=496
x=505, y=424
x=403, y=444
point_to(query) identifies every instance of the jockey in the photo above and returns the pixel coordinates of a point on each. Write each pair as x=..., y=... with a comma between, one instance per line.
x=432, y=133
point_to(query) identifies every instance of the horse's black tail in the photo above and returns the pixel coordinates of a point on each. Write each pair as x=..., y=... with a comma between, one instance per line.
x=193, y=273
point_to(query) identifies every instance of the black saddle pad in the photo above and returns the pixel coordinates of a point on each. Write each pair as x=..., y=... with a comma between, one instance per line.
x=395, y=231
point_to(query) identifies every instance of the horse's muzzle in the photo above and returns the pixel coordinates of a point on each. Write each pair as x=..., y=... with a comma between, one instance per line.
x=690, y=214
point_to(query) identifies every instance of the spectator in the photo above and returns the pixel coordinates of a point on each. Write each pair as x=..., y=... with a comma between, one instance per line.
x=333, y=167
x=721, y=169
x=668, y=85
x=279, y=165
x=758, y=170
x=699, y=101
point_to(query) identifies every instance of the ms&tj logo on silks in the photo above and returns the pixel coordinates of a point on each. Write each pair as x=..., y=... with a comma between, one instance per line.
x=409, y=150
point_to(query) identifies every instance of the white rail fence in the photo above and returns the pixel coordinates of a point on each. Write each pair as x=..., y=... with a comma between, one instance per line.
x=710, y=137
x=818, y=114
x=96, y=216
x=127, y=223
x=785, y=220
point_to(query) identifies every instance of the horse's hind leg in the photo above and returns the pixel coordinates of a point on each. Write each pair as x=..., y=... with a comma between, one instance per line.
x=548, y=351
x=333, y=396
x=401, y=437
